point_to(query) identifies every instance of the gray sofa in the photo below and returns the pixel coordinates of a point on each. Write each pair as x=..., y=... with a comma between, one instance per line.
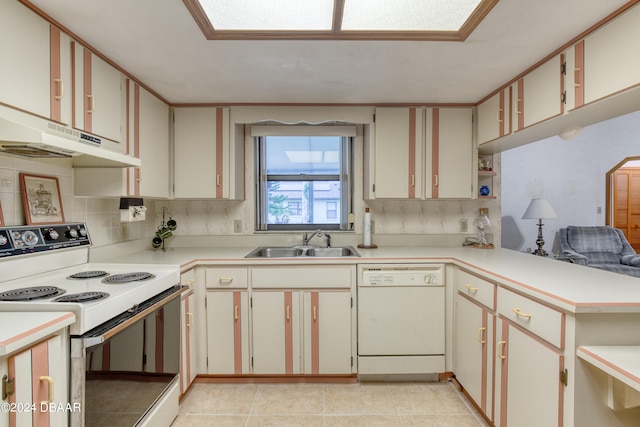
x=601, y=247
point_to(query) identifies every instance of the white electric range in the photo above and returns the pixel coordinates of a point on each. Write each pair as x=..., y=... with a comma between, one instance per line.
x=44, y=267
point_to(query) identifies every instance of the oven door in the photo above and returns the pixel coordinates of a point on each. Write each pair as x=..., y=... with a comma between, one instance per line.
x=121, y=370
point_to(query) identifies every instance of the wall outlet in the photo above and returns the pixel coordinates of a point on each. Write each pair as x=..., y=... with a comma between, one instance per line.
x=464, y=225
x=237, y=226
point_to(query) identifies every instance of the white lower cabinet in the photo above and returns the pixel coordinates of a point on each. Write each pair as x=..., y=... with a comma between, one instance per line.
x=227, y=332
x=474, y=338
x=529, y=392
x=38, y=378
x=187, y=341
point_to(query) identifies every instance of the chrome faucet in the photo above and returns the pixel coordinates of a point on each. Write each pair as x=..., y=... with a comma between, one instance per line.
x=306, y=238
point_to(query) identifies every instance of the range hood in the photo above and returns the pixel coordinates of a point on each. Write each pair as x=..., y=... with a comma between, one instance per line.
x=30, y=136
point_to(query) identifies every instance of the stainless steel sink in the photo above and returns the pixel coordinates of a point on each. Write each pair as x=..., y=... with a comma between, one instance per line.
x=332, y=252
x=295, y=252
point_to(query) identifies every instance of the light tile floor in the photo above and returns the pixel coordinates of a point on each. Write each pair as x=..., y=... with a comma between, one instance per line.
x=326, y=405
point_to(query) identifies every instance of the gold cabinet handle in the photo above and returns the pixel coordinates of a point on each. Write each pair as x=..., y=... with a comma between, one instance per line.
x=521, y=314
x=315, y=313
x=92, y=102
x=49, y=380
x=413, y=180
x=574, y=76
x=501, y=345
x=481, y=339
x=499, y=115
x=189, y=282
x=189, y=319
x=435, y=178
x=60, y=85
x=288, y=312
x=218, y=180
x=225, y=280
x=236, y=312
x=471, y=288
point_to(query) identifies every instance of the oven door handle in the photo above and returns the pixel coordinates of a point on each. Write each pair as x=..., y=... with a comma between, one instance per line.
x=103, y=332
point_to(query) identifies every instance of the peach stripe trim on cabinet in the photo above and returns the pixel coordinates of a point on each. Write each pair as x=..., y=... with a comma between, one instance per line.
x=561, y=394
x=494, y=323
x=237, y=334
x=504, y=372
x=73, y=85
x=578, y=74
x=435, y=141
x=54, y=48
x=87, y=89
x=187, y=339
x=36, y=329
x=520, y=105
x=412, y=153
x=315, y=333
x=501, y=114
x=40, y=389
x=219, y=136
x=288, y=333
x=136, y=137
x=483, y=392
x=12, y=397
x=563, y=98
x=510, y=129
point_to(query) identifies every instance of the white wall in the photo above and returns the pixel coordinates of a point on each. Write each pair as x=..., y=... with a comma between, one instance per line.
x=570, y=174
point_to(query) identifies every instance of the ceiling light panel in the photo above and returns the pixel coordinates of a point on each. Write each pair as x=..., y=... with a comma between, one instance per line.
x=269, y=15
x=407, y=15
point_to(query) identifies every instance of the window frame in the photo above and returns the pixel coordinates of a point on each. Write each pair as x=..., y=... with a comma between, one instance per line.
x=344, y=178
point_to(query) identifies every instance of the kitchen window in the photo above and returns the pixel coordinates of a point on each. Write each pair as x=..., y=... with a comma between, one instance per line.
x=303, y=177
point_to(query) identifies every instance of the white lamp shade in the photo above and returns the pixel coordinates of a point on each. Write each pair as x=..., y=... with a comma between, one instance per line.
x=539, y=208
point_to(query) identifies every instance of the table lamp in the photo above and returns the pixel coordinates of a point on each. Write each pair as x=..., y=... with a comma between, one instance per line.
x=539, y=209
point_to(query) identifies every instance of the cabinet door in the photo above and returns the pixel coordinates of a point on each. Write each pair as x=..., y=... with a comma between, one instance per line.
x=610, y=64
x=100, y=95
x=150, y=145
x=25, y=52
x=199, y=138
x=40, y=375
x=327, y=332
x=529, y=388
x=493, y=117
x=473, y=342
x=540, y=93
x=452, y=152
x=276, y=332
x=187, y=342
x=397, y=147
x=228, y=332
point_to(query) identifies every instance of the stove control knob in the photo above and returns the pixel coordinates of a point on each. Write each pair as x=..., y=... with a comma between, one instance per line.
x=72, y=233
x=52, y=234
x=3, y=240
x=83, y=232
x=29, y=238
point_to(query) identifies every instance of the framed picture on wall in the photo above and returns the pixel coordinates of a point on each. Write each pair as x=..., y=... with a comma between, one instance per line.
x=41, y=199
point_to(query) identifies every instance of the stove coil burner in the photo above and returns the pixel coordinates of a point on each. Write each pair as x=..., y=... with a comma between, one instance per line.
x=127, y=278
x=28, y=294
x=82, y=297
x=88, y=274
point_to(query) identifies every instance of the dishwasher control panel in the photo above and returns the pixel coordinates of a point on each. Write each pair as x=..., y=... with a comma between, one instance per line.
x=402, y=275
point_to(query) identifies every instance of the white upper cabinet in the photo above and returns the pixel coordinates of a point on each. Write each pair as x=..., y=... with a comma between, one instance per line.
x=611, y=62
x=99, y=95
x=395, y=151
x=25, y=52
x=205, y=158
x=151, y=143
x=450, y=136
x=540, y=93
x=494, y=116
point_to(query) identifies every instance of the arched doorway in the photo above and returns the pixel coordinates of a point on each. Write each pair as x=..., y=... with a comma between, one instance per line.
x=623, y=199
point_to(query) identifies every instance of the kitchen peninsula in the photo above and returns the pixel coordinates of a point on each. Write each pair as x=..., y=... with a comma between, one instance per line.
x=537, y=308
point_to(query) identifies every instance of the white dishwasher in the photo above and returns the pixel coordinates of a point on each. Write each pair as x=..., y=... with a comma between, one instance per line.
x=401, y=320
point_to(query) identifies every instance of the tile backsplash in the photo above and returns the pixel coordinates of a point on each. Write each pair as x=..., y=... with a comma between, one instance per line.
x=216, y=218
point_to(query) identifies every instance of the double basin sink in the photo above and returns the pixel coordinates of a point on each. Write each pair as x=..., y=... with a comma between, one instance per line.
x=302, y=251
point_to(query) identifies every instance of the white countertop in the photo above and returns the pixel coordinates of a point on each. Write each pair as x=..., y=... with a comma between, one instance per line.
x=569, y=287
x=23, y=329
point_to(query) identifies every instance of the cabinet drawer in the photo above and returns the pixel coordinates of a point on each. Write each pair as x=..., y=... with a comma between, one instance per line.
x=305, y=277
x=188, y=278
x=476, y=288
x=226, y=278
x=539, y=319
